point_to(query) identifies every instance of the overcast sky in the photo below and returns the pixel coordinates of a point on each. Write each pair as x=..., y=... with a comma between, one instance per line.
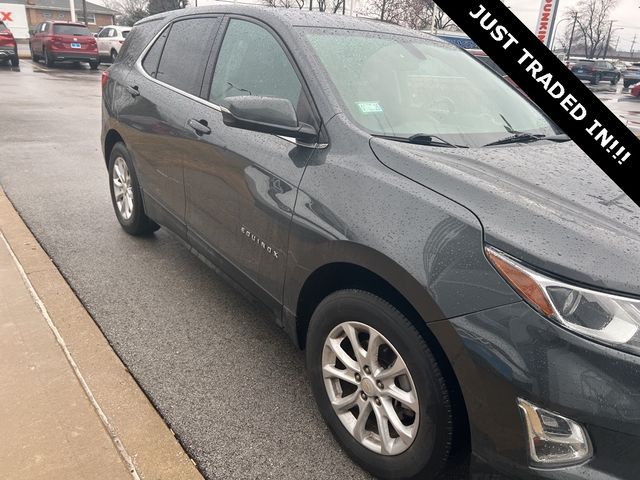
x=627, y=16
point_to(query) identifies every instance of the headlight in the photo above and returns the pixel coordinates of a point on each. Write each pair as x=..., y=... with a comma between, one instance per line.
x=606, y=318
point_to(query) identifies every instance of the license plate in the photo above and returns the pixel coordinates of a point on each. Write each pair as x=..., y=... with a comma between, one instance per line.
x=75, y=45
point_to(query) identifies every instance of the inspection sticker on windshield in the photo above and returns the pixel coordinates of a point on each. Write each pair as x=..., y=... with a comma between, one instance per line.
x=369, y=107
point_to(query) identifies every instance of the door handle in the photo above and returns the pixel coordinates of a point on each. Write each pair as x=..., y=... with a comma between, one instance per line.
x=201, y=127
x=133, y=90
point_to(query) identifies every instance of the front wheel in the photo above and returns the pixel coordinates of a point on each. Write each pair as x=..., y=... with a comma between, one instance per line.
x=126, y=195
x=113, y=56
x=378, y=387
x=615, y=80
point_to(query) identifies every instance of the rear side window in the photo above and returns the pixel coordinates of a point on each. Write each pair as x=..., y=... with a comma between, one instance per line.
x=125, y=33
x=78, y=30
x=252, y=62
x=186, y=52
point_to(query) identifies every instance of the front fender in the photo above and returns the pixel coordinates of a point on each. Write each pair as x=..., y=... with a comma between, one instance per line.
x=426, y=246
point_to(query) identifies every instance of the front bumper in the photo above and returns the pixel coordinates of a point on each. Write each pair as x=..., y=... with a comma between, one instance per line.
x=64, y=56
x=508, y=352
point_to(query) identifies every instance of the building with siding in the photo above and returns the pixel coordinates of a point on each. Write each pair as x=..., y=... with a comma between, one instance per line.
x=36, y=11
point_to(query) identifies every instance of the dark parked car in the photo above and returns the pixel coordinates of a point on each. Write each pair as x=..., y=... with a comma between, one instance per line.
x=8, y=46
x=64, y=42
x=595, y=71
x=632, y=75
x=464, y=280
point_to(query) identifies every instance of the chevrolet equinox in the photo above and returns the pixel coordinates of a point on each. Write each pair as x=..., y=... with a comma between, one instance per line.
x=464, y=281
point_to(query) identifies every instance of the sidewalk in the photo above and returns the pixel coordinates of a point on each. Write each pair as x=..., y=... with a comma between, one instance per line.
x=69, y=409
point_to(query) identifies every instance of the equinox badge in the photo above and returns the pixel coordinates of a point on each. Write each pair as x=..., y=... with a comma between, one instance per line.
x=258, y=241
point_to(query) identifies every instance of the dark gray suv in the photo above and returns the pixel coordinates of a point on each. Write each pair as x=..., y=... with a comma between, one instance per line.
x=465, y=282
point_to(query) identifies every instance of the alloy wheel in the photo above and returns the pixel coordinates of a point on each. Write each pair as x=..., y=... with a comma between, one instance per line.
x=122, y=188
x=370, y=388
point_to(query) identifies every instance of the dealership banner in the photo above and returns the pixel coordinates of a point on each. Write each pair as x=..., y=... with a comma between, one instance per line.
x=546, y=21
x=552, y=86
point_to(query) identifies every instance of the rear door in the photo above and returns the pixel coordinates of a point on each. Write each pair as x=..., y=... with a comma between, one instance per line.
x=241, y=185
x=37, y=42
x=163, y=88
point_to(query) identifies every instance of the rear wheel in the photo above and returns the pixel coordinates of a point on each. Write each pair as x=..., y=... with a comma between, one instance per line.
x=34, y=57
x=94, y=65
x=126, y=195
x=615, y=80
x=47, y=58
x=379, y=387
x=15, y=62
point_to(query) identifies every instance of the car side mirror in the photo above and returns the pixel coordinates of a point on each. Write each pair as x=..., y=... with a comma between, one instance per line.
x=267, y=115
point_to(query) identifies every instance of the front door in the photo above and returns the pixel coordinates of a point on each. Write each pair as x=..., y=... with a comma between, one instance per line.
x=241, y=185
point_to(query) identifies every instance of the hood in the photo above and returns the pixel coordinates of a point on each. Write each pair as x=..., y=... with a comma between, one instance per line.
x=545, y=203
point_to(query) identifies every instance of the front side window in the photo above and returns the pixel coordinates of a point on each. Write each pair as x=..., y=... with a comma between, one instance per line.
x=104, y=33
x=252, y=62
x=186, y=52
x=403, y=86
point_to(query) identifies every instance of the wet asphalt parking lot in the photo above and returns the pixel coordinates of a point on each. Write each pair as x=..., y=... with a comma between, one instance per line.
x=226, y=380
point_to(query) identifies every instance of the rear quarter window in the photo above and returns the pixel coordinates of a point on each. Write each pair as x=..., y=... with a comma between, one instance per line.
x=3, y=27
x=137, y=40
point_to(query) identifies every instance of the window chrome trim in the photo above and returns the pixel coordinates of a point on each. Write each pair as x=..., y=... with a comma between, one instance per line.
x=202, y=101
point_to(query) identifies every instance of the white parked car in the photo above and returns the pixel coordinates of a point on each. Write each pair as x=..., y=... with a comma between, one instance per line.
x=110, y=40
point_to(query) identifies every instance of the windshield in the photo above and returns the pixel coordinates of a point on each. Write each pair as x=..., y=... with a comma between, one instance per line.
x=402, y=86
x=77, y=30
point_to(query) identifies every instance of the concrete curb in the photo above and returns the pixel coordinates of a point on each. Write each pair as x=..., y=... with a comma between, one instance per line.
x=133, y=422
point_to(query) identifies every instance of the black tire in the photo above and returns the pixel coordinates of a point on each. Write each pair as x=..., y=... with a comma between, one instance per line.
x=49, y=62
x=94, y=65
x=615, y=80
x=138, y=223
x=596, y=79
x=113, y=56
x=431, y=447
x=15, y=62
x=34, y=57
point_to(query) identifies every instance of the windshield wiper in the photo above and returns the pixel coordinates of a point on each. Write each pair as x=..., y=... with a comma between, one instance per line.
x=423, y=139
x=523, y=137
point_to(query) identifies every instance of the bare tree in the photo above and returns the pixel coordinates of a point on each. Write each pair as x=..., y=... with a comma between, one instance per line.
x=416, y=14
x=129, y=11
x=391, y=11
x=158, y=6
x=593, y=24
x=285, y=3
